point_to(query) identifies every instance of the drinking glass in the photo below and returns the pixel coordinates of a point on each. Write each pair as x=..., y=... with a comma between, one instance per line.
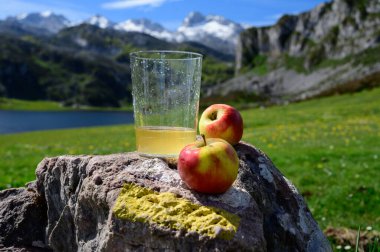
x=165, y=89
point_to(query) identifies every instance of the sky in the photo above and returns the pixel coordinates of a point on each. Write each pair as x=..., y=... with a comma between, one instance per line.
x=169, y=13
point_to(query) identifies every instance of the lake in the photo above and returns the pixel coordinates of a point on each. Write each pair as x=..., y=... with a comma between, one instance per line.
x=22, y=121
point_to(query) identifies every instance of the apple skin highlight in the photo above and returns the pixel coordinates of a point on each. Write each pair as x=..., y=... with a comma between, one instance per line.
x=210, y=168
x=222, y=121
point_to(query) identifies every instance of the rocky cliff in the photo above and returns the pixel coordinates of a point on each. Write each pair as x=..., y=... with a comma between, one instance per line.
x=125, y=202
x=329, y=48
x=333, y=30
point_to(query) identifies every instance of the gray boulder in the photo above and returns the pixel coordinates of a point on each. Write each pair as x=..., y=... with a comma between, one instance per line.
x=125, y=202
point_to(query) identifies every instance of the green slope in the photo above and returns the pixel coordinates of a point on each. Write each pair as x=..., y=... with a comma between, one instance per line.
x=98, y=74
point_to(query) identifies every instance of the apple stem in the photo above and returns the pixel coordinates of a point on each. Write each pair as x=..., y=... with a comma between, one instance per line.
x=204, y=139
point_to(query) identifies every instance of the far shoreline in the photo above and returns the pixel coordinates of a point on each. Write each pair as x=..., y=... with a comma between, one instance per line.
x=52, y=106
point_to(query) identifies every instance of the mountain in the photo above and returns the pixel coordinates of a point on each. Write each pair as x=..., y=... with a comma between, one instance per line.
x=34, y=70
x=100, y=21
x=86, y=65
x=332, y=48
x=146, y=26
x=213, y=31
x=46, y=21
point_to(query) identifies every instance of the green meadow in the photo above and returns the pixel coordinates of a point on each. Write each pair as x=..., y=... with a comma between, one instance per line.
x=328, y=147
x=16, y=104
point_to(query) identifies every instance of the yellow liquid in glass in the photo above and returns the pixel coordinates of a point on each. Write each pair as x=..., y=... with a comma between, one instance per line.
x=163, y=141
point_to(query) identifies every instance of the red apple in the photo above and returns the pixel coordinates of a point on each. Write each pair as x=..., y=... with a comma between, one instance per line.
x=222, y=121
x=208, y=166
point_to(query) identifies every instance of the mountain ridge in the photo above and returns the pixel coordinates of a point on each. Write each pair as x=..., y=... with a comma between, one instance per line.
x=214, y=31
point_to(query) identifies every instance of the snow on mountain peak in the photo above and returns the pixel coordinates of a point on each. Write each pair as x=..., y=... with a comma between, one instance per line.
x=213, y=31
x=21, y=16
x=194, y=18
x=139, y=25
x=46, y=20
x=46, y=14
x=100, y=21
x=145, y=26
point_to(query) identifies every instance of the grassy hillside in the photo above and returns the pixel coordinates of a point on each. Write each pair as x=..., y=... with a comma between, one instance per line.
x=330, y=149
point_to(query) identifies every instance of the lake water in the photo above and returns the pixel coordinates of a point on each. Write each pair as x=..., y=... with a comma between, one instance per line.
x=22, y=121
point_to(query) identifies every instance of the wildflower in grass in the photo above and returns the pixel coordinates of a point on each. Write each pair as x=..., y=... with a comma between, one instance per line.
x=339, y=247
x=347, y=247
x=369, y=228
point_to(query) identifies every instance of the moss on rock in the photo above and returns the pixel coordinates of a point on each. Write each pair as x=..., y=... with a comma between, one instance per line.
x=140, y=204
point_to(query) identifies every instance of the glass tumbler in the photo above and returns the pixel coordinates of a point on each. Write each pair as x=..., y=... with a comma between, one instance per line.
x=165, y=89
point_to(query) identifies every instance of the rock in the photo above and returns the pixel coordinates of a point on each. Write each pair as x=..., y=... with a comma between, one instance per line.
x=125, y=202
x=283, y=85
x=22, y=217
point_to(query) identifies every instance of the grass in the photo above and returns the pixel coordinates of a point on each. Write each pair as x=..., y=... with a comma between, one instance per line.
x=328, y=147
x=20, y=153
x=16, y=104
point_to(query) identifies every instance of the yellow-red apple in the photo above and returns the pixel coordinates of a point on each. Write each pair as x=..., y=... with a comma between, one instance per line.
x=222, y=121
x=208, y=166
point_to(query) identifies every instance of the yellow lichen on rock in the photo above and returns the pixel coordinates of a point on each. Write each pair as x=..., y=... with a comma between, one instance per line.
x=136, y=203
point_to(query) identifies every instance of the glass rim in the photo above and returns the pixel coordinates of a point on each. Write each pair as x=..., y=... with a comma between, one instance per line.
x=137, y=53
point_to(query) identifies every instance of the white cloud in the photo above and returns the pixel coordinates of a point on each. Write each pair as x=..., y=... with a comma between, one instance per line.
x=125, y=4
